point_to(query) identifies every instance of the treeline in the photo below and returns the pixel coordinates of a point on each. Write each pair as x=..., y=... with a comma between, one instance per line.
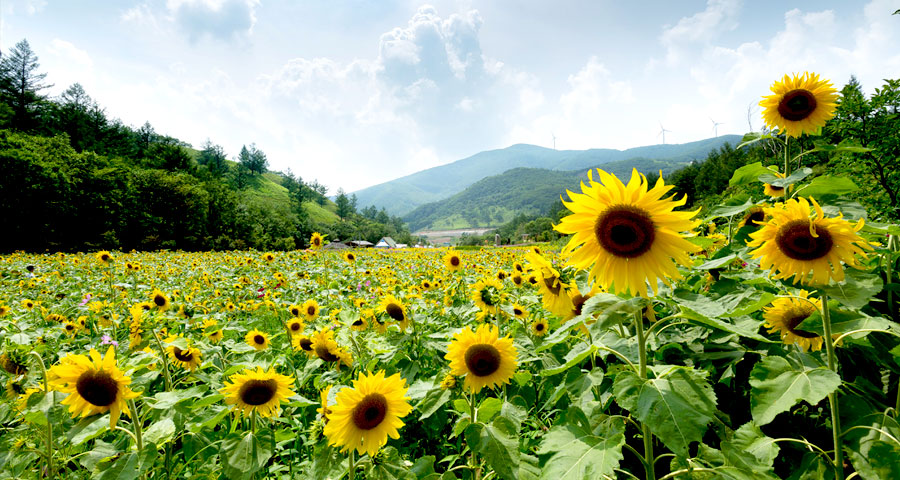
x=73, y=178
x=871, y=122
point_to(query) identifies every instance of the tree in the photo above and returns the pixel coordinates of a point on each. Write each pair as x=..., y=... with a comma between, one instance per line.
x=76, y=114
x=213, y=156
x=253, y=159
x=344, y=208
x=21, y=85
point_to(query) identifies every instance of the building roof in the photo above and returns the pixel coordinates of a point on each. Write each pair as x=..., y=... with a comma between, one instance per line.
x=386, y=242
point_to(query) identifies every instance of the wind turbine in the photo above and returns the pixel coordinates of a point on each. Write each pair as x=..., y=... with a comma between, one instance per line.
x=715, y=126
x=662, y=131
x=554, y=140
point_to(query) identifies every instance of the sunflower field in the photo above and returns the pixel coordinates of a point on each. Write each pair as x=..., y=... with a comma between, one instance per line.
x=754, y=340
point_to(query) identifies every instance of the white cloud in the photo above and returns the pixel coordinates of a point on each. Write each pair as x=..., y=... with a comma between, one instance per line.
x=67, y=64
x=700, y=28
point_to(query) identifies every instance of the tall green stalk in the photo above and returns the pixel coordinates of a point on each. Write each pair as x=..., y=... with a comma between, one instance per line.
x=832, y=397
x=50, y=470
x=642, y=372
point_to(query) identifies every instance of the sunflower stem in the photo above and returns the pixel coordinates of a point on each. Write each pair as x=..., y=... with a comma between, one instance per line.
x=165, y=362
x=787, y=158
x=40, y=360
x=832, y=397
x=642, y=372
x=351, y=468
x=473, y=459
x=253, y=422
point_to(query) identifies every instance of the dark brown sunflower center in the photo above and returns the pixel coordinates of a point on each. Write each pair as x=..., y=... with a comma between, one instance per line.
x=487, y=297
x=358, y=322
x=310, y=311
x=795, y=241
x=295, y=311
x=295, y=327
x=259, y=339
x=578, y=302
x=370, y=411
x=797, y=105
x=756, y=217
x=97, y=388
x=482, y=360
x=795, y=319
x=518, y=311
x=625, y=231
x=306, y=344
x=394, y=311
x=454, y=261
x=325, y=354
x=159, y=300
x=539, y=327
x=258, y=392
x=183, y=355
x=351, y=257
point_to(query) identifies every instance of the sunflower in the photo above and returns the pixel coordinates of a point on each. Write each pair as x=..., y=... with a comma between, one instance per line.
x=517, y=279
x=215, y=336
x=325, y=347
x=4, y=309
x=539, y=327
x=799, y=104
x=349, y=257
x=449, y=382
x=786, y=313
x=258, y=391
x=755, y=216
x=316, y=241
x=310, y=309
x=772, y=190
x=518, y=267
x=452, y=261
x=630, y=234
x=295, y=310
x=359, y=324
x=104, y=256
x=579, y=299
x=810, y=250
x=324, y=411
x=268, y=257
x=28, y=304
x=94, y=384
x=549, y=281
x=71, y=328
x=257, y=339
x=484, y=359
x=188, y=358
x=367, y=414
x=486, y=293
x=295, y=326
x=160, y=300
x=304, y=343
x=519, y=311
x=394, y=308
x=13, y=363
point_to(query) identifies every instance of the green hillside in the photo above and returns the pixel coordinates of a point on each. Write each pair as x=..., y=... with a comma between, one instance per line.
x=496, y=200
x=404, y=194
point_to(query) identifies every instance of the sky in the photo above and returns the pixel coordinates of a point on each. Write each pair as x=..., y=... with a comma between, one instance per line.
x=354, y=93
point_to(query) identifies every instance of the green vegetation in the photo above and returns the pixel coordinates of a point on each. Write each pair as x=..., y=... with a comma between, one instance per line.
x=403, y=195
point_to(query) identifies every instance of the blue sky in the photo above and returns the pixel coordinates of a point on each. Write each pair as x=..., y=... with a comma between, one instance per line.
x=355, y=93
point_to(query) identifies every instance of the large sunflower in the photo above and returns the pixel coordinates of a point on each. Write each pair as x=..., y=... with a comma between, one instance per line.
x=260, y=391
x=452, y=261
x=160, y=300
x=295, y=326
x=799, y=104
x=310, y=309
x=484, y=359
x=316, y=241
x=94, y=384
x=786, y=313
x=257, y=339
x=325, y=347
x=394, y=308
x=367, y=414
x=810, y=250
x=553, y=288
x=304, y=343
x=629, y=233
x=188, y=358
x=486, y=293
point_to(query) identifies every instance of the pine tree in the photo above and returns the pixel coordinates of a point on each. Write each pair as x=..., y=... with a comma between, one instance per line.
x=21, y=86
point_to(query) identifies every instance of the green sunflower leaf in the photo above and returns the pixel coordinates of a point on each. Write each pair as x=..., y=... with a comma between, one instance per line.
x=777, y=385
x=827, y=187
x=243, y=454
x=677, y=406
x=750, y=449
x=498, y=443
x=578, y=454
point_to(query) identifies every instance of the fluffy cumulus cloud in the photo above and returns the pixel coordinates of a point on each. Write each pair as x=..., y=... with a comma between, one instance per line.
x=699, y=29
x=222, y=19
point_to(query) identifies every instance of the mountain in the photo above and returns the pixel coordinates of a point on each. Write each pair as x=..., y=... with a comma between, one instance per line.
x=495, y=200
x=404, y=194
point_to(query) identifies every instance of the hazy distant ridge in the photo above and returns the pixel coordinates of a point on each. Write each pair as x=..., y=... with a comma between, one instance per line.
x=404, y=194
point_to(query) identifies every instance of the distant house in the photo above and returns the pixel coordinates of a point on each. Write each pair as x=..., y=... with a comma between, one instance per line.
x=386, y=242
x=361, y=244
